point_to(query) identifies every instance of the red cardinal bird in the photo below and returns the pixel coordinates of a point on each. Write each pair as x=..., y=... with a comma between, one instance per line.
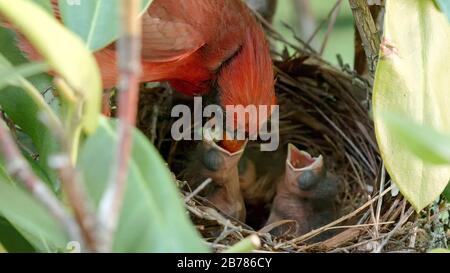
x=198, y=46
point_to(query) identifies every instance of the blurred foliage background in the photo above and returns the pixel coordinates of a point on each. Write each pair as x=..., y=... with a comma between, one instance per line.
x=341, y=39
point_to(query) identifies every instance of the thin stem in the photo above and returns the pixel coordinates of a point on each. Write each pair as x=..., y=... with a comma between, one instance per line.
x=19, y=169
x=330, y=13
x=72, y=183
x=247, y=245
x=368, y=31
x=129, y=51
x=332, y=224
x=330, y=27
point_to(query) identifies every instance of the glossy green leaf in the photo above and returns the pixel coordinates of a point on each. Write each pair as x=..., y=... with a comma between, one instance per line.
x=66, y=53
x=22, y=109
x=30, y=218
x=412, y=79
x=424, y=141
x=12, y=240
x=95, y=21
x=9, y=75
x=444, y=5
x=153, y=218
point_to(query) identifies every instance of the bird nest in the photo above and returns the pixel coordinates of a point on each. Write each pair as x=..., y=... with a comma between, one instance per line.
x=324, y=110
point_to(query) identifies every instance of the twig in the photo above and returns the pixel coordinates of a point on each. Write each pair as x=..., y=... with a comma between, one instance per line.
x=319, y=27
x=368, y=32
x=266, y=8
x=333, y=16
x=358, y=244
x=380, y=199
x=154, y=123
x=197, y=190
x=64, y=164
x=77, y=197
x=18, y=168
x=358, y=152
x=392, y=232
x=306, y=19
x=340, y=220
x=129, y=52
x=280, y=37
x=249, y=244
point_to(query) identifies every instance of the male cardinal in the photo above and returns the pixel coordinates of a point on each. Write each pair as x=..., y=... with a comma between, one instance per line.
x=199, y=46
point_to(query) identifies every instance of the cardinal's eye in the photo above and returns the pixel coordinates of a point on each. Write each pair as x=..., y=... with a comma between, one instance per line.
x=212, y=160
x=307, y=180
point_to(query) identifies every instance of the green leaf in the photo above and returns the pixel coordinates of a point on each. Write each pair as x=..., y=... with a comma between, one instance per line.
x=153, y=218
x=65, y=53
x=412, y=79
x=12, y=240
x=444, y=5
x=45, y=4
x=21, y=108
x=30, y=218
x=4, y=176
x=439, y=250
x=95, y=21
x=424, y=141
x=446, y=192
x=9, y=75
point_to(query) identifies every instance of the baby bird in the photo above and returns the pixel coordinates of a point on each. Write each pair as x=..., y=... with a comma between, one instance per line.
x=306, y=194
x=212, y=161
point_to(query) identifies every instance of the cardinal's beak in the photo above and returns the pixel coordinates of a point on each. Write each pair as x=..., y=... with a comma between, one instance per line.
x=222, y=167
x=305, y=194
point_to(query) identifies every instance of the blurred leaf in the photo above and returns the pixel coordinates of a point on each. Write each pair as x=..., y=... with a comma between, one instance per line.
x=4, y=175
x=444, y=5
x=446, y=192
x=153, y=218
x=95, y=21
x=12, y=240
x=424, y=141
x=412, y=79
x=28, y=216
x=45, y=4
x=8, y=75
x=21, y=108
x=66, y=54
x=439, y=250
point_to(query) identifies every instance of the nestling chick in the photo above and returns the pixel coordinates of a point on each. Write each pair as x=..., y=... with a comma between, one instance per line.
x=212, y=161
x=306, y=194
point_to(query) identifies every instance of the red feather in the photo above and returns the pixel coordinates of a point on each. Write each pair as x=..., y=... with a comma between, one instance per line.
x=196, y=44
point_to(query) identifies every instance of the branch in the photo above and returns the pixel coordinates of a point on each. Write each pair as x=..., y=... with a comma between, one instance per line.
x=74, y=188
x=368, y=31
x=64, y=163
x=18, y=168
x=129, y=46
x=306, y=19
x=266, y=8
x=332, y=21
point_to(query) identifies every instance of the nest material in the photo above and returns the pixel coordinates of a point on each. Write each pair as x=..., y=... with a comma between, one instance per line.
x=324, y=110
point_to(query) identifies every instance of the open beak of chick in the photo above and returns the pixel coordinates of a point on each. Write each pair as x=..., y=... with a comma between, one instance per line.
x=222, y=167
x=305, y=194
